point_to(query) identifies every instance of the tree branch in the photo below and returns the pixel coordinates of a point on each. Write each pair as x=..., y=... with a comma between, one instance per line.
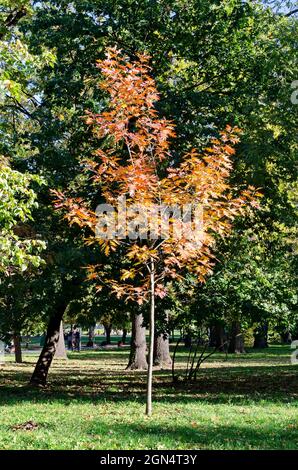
x=291, y=13
x=13, y=18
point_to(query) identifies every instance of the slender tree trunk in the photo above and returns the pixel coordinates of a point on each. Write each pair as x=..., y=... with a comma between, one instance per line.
x=108, y=329
x=60, y=349
x=138, y=348
x=151, y=339
x=40, y=374
x=162, y=357
x=124, y=335
x=17, y=348
x=236, y=341
x=261, y=336
x=217, y=336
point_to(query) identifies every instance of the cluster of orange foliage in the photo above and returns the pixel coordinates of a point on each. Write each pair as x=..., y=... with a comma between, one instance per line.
x=134, y=152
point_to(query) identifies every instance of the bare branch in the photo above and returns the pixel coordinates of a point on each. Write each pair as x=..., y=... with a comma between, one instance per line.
x=291, y=13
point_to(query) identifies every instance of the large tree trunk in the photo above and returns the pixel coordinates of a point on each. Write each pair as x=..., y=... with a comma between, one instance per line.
x=17, y=348
x=261, y=336
x=60, y=349
x=217, y=336
x=236, y=344
x=40, y=374
x=108, y=329
x=151, y=339
x=162, y=357
x=138, y=348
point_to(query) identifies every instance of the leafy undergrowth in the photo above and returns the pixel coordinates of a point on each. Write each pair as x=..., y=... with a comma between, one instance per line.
x=91, y=402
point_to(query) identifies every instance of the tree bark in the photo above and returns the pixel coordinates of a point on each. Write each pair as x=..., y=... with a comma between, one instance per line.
x=40, y=374
x=151, y=339
x=138, y=347
x=17, y=348
x=162, y=357
x=217, y=336
x=261, y=336
x=236, y=340
x=60, y=349
x=108, y=329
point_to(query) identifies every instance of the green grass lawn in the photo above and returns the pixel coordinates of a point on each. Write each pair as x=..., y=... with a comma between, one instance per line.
x=91, y=402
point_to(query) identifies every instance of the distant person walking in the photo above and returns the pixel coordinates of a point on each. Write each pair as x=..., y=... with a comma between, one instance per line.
x=77, y=340
x=70, y=340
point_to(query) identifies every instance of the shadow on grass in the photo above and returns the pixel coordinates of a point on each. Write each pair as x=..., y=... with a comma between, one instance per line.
x=208, y=435
x=253, y=376
x=230, y=385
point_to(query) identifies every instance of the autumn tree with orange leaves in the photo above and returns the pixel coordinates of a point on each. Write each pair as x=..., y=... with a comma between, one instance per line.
x=133, y=164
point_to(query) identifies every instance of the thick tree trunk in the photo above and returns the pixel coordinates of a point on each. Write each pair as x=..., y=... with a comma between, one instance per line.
x=124, y=335
x=108, y=329
x=217, y=336
x=162, y=357
x=151, y=339
x=60, y=349
x=91, y=335
x=261, y=337
x=236, y=340
x=138, y=348
x=17, y=348
x=40, y=374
